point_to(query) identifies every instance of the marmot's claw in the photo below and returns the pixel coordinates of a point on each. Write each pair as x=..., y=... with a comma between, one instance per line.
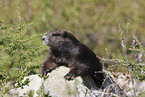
x=44, y=72
x=69, y=76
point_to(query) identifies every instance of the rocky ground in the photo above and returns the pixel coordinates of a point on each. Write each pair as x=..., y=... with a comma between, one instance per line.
x=56, y=86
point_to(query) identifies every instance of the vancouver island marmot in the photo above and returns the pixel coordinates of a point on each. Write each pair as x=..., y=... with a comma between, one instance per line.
x=66, y=50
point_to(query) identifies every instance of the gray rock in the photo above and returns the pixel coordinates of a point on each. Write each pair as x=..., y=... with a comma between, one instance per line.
x=57, y=86
x=34, y=85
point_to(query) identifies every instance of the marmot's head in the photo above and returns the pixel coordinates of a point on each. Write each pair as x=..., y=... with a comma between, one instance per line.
x=59, y=38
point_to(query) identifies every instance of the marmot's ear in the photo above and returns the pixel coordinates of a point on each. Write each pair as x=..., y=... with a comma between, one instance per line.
x=65, y=34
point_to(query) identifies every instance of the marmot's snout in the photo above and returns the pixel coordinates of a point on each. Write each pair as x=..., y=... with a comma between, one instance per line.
x=45, y=40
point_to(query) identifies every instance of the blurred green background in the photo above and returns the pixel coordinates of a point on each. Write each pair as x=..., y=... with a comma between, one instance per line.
x=93, y=22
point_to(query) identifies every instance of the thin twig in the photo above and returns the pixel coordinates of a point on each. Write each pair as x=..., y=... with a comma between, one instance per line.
x=107, y=52
x=105, y=93
x=123, y=45
x=112, y=38
x=127, y=28
x=134, y=44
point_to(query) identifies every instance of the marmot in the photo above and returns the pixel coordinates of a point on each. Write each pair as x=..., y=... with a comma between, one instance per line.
x=66, y=50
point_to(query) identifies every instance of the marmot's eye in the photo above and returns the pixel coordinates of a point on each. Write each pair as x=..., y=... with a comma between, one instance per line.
x=56, y=34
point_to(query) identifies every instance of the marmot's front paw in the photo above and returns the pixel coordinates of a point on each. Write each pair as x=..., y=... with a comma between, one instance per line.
x=69, y=76
x=44, y=72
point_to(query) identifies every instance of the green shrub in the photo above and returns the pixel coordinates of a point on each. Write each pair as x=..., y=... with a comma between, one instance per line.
x=20, y=55
x=132, y=67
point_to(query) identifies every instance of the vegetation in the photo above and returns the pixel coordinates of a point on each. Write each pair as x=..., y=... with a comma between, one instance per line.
x=94, y=22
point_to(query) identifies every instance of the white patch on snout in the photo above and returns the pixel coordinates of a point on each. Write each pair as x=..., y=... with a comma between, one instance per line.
x=45, y=40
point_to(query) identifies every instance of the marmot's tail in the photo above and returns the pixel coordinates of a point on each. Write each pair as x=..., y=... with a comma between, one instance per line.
x=98, y=79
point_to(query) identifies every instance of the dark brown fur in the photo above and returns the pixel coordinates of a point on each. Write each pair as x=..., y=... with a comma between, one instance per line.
x=66, y=50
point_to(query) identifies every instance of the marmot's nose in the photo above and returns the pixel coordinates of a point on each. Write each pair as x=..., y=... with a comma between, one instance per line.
x=43, y=38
